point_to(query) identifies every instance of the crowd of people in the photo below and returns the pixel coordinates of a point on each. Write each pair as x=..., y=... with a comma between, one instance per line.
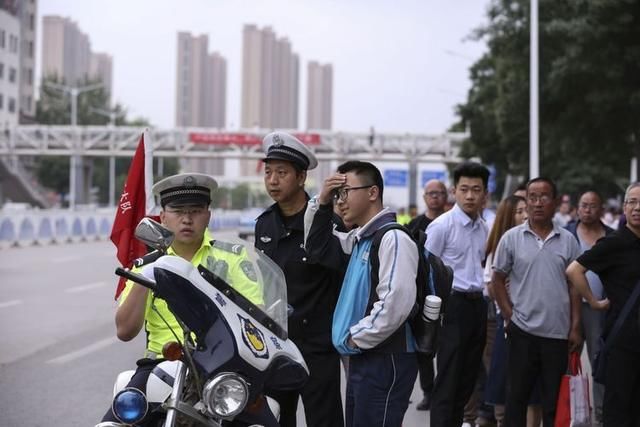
x=530, y=284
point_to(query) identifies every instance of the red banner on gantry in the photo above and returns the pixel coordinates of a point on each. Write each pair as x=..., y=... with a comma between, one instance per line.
x=244, y=138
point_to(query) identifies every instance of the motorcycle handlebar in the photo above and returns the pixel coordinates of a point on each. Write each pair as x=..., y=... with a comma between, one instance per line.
x=135, y=277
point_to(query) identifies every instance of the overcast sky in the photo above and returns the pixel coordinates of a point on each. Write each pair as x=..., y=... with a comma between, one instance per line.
x=400, y=66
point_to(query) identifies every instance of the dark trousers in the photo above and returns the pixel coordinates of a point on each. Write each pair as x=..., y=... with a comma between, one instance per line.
x=532, y=359
x=378, y=388
x=622, y=389
x=426, y=371
x=460, y=346
x=321, y=394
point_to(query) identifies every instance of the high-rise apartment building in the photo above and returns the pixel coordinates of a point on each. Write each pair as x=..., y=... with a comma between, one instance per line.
x=101, y=68
x=270, y=80
x=201, y=83
x=18, y=40
x=66, y=50
x=9, y=68
x=319, y=95
x=67, y=55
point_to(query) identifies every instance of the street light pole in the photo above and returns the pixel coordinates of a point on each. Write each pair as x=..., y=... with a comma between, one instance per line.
x=112, y=114
x=75, y=163
x=534, y=143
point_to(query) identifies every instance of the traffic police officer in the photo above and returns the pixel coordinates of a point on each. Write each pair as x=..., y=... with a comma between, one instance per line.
x=185, y=201
x=312, y=288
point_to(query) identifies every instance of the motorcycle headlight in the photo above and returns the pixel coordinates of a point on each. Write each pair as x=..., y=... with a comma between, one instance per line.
x=130, y=405
x=226, y=395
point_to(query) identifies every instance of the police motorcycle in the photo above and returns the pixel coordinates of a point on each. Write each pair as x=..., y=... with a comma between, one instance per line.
x=233, y=352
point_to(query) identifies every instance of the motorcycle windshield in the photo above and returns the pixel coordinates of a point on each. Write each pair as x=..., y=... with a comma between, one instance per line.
x=244, y=271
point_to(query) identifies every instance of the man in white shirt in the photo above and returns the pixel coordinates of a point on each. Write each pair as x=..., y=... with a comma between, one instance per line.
x=458, y=237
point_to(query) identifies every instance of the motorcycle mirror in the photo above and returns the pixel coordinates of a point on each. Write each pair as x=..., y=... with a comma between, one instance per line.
x=153, y=234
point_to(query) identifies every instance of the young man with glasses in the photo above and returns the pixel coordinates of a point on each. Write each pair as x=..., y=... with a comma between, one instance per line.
x=588, y=229
x=614, y=258
x=312, y=285
x=370, y=320
x=541, y=311
x=185, y=201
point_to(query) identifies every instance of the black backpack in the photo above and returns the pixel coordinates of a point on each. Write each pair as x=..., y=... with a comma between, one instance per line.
x=433, y=278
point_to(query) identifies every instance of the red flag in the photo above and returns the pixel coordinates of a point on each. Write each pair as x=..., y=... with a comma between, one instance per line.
x=135, y=203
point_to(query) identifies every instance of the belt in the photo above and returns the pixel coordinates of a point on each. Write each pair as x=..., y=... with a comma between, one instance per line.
x=468, y=295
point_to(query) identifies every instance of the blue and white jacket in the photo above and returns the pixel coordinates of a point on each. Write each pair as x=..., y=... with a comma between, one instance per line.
x=374, y=316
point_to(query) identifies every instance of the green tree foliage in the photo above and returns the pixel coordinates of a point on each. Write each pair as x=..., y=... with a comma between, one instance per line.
x=54, y=108
x=589, y=91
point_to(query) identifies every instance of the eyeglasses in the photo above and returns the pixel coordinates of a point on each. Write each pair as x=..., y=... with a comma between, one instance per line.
x=435, y=194
x=341, y=194
x=633, y=203
x=544, y=199
x=182, y=212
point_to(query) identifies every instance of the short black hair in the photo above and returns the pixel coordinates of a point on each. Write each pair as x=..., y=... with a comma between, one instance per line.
x=595, y=193
x=554, y=189
x=471, y=170
x=368, y=170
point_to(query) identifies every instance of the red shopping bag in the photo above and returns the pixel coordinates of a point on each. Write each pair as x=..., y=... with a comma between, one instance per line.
x=573, y=408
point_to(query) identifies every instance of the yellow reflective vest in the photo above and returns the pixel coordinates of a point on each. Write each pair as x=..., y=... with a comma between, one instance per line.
x=228, y=261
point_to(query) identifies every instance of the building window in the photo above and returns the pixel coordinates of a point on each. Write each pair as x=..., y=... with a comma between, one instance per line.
x=12, y=74
x=32, y=22
x=30, y=49
x=29, y=103
x=2, y=39
x=1, y=70
x=12, y=105
x=13, y=43
x=30, y=76
x=1, y=101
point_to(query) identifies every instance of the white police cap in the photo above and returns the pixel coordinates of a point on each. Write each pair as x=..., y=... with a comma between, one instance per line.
x=282, y=146
x=184, y=189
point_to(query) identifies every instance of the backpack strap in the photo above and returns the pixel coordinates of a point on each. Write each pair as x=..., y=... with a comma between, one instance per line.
x=424, y=272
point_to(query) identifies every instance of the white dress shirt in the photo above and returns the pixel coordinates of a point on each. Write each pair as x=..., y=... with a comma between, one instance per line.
x=460, y=242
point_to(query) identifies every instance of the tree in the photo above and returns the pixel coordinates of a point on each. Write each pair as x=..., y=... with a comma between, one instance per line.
x=54, y=108
x=589, y=91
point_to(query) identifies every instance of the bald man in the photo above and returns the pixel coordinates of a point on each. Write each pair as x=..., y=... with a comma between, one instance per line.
x=435, y=197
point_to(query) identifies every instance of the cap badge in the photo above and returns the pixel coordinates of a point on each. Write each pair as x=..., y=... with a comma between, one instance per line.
x=277, y=141
x=265, y=239
x=189, y=181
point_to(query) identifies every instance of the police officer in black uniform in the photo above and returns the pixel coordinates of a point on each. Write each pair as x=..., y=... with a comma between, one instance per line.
x=311, y=287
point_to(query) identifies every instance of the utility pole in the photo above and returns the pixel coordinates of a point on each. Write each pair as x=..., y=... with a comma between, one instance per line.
x=534, y=143
x=112, y=114
x=75, y=160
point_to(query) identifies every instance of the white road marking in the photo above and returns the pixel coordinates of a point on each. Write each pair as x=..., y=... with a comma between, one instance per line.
x=83, y=351
x=10, y=303
x=83, y=288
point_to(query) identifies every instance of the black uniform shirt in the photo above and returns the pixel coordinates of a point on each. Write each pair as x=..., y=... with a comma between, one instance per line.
x=312, y=290
x=419, y=223
x=616, y=259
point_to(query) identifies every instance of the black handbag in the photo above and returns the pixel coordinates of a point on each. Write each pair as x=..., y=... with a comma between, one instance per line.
x=599, y=368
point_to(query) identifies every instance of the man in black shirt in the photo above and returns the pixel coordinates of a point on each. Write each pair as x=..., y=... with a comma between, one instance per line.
x=435, y=197
x=312, y=288
x=615, y=259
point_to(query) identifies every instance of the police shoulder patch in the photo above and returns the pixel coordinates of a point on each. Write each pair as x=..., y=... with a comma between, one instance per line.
x=248, y=270
x=234, y=248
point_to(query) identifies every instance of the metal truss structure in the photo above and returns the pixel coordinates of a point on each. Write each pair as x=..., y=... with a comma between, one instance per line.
x=109, y=141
